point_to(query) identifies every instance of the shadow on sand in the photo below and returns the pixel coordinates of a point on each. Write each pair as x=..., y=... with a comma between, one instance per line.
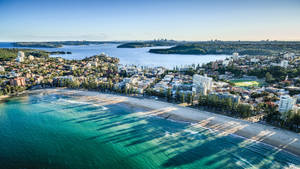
x=183, y=143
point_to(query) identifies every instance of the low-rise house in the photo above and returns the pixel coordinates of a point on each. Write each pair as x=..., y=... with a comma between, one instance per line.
x=30, y=57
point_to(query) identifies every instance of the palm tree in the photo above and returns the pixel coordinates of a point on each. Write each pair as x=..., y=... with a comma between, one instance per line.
x=182, y=98
x=169, y=95
x=189, y=98
x=177, y=95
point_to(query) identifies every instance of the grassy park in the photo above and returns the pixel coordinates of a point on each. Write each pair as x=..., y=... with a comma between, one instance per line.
x=245, y=83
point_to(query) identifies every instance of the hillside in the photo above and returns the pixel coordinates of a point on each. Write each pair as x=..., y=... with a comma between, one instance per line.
x=243, y=48
x=148, y=44
x=10, y=54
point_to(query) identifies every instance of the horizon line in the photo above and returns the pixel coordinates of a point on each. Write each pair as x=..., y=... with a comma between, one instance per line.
x=263, y=40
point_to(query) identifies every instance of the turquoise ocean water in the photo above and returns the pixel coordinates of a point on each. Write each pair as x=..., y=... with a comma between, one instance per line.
x=56, y=131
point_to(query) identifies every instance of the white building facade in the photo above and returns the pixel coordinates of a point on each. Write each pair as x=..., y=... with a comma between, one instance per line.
x=21, y=56
x=2, y=69
x=202, y=84
x=286, y=103
x=284, y=63
x=235, y=55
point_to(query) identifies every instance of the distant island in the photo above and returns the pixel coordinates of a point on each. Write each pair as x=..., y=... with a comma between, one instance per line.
x=59, y=53
x=228, y=47
x=38, y=44
x=58, y=44
x=149, y=44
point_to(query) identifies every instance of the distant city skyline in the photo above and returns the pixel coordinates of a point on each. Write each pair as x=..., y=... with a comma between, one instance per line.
x=194, y=20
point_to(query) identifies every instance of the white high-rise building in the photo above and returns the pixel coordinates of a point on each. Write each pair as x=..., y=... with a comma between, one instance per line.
x=235, y=55
x=2, y=69
x=286, y=103
x=225, y=62
x=202, y=84
x=21, y=56
x=284, y=63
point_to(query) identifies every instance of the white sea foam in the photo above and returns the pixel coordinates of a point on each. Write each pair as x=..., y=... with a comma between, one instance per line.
x=81, y=102
x=244, y=161
x=190, y=131
x=291, y=166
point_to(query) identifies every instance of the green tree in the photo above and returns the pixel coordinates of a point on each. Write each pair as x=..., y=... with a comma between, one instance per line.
x=269, y=78
x=189, y=98
x=177, y=95
x=182, y=98
x=169, y=95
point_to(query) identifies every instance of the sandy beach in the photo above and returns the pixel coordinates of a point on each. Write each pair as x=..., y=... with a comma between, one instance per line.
x=280, y=138
x=4, y=97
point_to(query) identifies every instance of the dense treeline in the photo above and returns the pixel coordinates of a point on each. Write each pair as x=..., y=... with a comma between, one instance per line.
x=226, y=105
x=11, y=53
x=8, y=54
x=275, y=73
x=37, y=44
x=289, y=120
x=59, y=53
x=6, y=89
x=208, y=102
x=148, y=44
x=223, y=47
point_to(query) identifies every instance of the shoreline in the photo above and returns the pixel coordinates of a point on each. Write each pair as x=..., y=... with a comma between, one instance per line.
x=224, y=125
x=3, y=97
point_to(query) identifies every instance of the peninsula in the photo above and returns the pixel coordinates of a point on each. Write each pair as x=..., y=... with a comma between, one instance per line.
x=142, y=44
x=228, y=47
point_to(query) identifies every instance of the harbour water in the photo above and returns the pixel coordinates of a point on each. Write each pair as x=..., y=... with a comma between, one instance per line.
x=137, y=56
x=58, y=131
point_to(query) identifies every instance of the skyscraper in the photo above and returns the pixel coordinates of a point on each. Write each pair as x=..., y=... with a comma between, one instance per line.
x=286, y=103
x=21, y=56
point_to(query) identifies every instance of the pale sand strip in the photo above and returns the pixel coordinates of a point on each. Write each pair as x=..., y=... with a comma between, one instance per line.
x=4, y=97
x=225, y=125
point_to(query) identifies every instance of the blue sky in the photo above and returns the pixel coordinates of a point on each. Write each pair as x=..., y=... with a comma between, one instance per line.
x=48, y=20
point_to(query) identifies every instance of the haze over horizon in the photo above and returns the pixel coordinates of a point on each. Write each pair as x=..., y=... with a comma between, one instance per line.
x=194, y=20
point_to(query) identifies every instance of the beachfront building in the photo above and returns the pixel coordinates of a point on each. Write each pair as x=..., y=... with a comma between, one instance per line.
x=286, y=103
x=227, y=95
x=201, y=84
x=284, y=63
x=164, y=84
x=18, y=81
x=21, y=56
